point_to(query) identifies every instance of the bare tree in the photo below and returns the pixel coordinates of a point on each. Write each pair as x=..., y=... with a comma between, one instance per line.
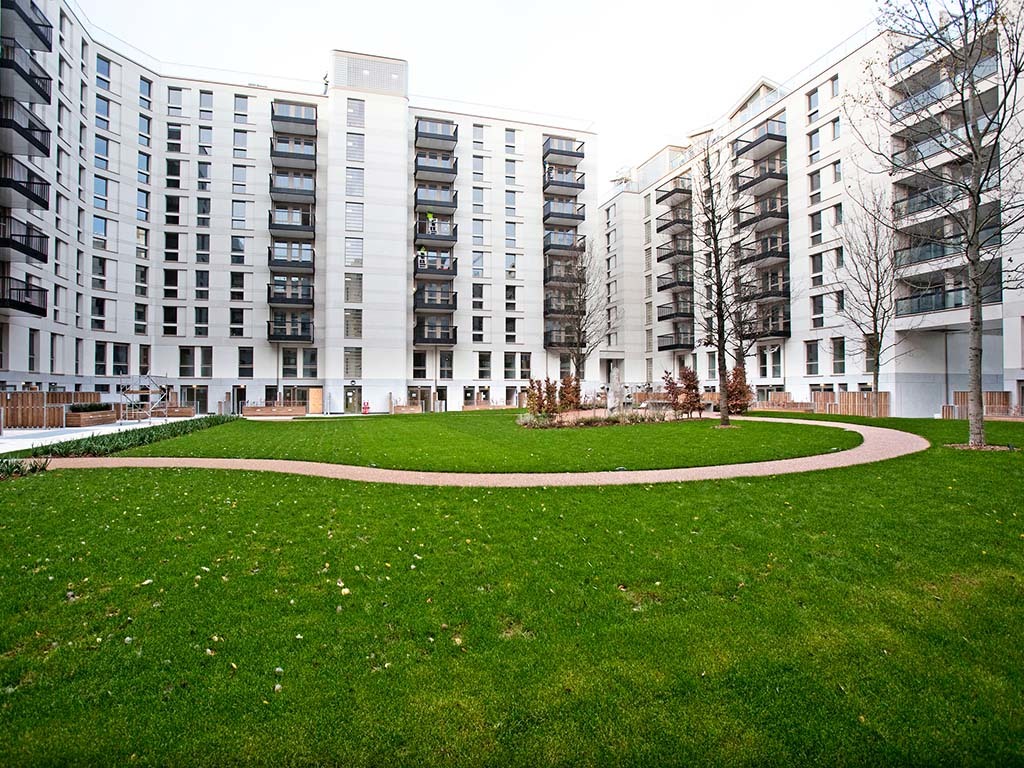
x=963, y=158
x=870, y=273
x=576, y=305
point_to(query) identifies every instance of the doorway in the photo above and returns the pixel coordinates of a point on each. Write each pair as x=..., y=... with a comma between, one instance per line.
x=442, y=399
x=353, y=399
x=195, y=396
x=237, y=398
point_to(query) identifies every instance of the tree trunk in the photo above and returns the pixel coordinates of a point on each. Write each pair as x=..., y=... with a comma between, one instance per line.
x=875, y=370
x=723, y=377
x=975, y=403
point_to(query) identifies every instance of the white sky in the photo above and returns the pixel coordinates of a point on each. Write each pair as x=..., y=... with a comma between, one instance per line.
x=645, y=73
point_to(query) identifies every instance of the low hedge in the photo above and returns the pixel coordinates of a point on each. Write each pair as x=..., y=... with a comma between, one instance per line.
x=10, y=468
x=122, y=440
x=88, y=407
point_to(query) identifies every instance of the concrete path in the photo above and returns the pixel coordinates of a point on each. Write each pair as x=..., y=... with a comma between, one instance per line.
x=18, y=439
x=879, y=444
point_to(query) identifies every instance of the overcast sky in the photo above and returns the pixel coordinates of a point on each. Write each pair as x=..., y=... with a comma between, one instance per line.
x=644, y=73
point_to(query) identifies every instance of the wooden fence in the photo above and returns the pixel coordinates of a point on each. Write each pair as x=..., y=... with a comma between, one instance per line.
x=996, y=403
x=40, y=410
x=836, y=403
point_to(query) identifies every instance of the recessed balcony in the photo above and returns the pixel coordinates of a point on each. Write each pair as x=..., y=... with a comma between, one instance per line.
x=23, y=20
x=436, y=134
x=939, y=249
x=762, y=178
x=434, y=301
x=21, y=187
x=676, y=192
x=680, y=310
x=434, y=166
x=435, y=267
x=297, y=261
x=765, y=214
x=556, y=307
x=562, y=181
x=286, y=153
x=22, y=78
x=673, y=342
x=297, y=119
x=562, y=151
x=564, y=243
x=675, y=222
x=290, y=189
x=23, y=238
x=761, y=141
x=560, y=275
x=433, y=200
x=940, y=299
x=560, y=339
x=290, y=331
x=675, y=280
x=435, y=232
x=766, y=294
x=290, y=224
x=767, y=329
x=926, y=97
x=289, y=295
x=21, y=132
x=20, y=296
x=558, y=213
x=442, y=335
x=675, y=250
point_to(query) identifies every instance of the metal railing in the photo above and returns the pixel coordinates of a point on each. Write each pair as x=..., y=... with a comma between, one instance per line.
x=945, y=298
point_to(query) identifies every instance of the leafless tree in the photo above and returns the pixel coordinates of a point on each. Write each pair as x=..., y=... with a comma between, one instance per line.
x=964, y=157
x=581, y=301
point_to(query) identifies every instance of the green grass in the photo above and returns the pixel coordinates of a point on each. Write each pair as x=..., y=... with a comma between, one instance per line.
x=492, y=442
x=866, y=615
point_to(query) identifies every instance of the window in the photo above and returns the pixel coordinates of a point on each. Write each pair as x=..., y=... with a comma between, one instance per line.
x=172, y=244
x=102, y=153
x=100, y=188
x=524, y=365
x=145, y=129
x=236, y=322
x=142, y=205
x=206, y=105
x=812, y=106
x=478, y=231
x=145, y=93
x=814, y=146
x=816, y=228
x=354, y=182
x=241, y=109
x=170, y=283
x=816, y=267
x=510, y=266
x=478, y=168
x=245, y=362
x=238, y=179
x=237, y=286
x=144, y=167
x=872, y=350
x=837, y=214
x=103, y=73
x=141, y=243
x=289, y=362
x=206, y=362
x=478, y=295
x=837, y=171
x=103, y=113
x=478, y=263
x=202, y=321
x=839, y=355
x=835, y=129
x=510, y=171
x=353, y=323
x=202, y=284
x=99, y=359
x=187, y=362
x=840, y=301
x=355, y=147
x=141, y=316
x=839, y=257
x=478, y=139
x=174, y=101
x=354, y=217
x=483, y=365
x=510, y=203
x=478, y=200
x=834, y=83
x=353, y=363
x=510, y=330
x=419, y=365
x=99, y=232
x=818, y=311
x=203, y=176
x=141, y=280
x=353, y=251
x=510, y=298
x=712, y=366
x=205, y=140
x=510, y=140
x=239, y=210
x=478, y=328
x=510, y=234
x=811, y=357
x=353, y=288
x=814, y=180
x=240, y=143
x=356, y=113
x=510, y=365
x=174, y=134
x=172, y=209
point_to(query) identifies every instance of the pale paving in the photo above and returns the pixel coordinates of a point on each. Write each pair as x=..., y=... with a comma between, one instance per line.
x=878, y=444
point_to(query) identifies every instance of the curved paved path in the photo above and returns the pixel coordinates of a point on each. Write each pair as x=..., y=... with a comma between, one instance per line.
x=879, y=444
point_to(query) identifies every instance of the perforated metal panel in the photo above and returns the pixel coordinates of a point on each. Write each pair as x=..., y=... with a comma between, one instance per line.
x=368, y=73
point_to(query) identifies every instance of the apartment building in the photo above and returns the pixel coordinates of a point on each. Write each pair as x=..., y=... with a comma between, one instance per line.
x=792, y=164
x=412, y=247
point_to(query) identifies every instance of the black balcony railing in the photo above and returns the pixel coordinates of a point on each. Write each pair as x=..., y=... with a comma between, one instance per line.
x=928, y=251
x=676, y=220
x=297, y=295
x=675, y=341
x=766, y=210
x=563, y=178
x=436, y=229
x=18, y=295
x=435, y=266
x=564, y=242
x=558, y=209
x=291, y=259
x=763, y=176
x=304, y=221
x=435, y=301
x=676, y=249
x=16, y=57
x=561, y=275
x=677, y=311
x=447, y=335
x=765, y=249
x=442, y=165
x=18, y=177
x=440, y=199
x=35, y=20
x=554, y=306
x=939, y=299
x=925, y=98
x=290, y=331
x=23, y=238
x=15, y=116
x=768, y=328
x=674, y=190
x=429, y=132
x=770, y=292
x=682, y=278
x=562, y=150
x=560, y=339
x=289, y=112
x=761, y=140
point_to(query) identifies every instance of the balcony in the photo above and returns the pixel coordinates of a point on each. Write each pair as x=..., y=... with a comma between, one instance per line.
x=25, y=239
x=435, y=302
x=560, y=275
x=291, y=154
x=558, y=213
x=296, y=119
x=554, y=307
x=675, y=222
x=444, y=335
x=766, y=138
x=431, y=166
x=562, y=151
x=768, y=328
x=436, y=134
x=21, y=187
x=289, y=295
x=22, y=78
x=764, y=214
x=564, y=243
x=675, y=250
x=762, y=178
x=765, y=294
x=674, y=193
x=435, y=232
x=680, y=310
x=764, y=252
x=929, y=251
x=293, y=331
x=929, y=96
x=939, y=299
x=21, y=132
x=289, y=189
x=675, y=280
x=432, y=200
x=20, y=296
x=672, y=342
x=561, y=181
x=302, y=225
x=23, y=20
x=435, y=267
x=291, y=261
x=560, y=339
x=945, y=141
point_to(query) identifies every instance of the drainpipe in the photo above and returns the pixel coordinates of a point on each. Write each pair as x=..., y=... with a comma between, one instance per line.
x=945, y=366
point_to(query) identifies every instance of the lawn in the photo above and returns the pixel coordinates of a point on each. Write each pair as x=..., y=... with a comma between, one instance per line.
x=493, y=442
x=866, y=615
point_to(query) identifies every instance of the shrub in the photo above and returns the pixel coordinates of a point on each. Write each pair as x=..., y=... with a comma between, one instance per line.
x=88, y=407
x=690, y=386
x=122, y=440
x=569, y=396
x=674, y=392
x=739, y=395
x=536, y=421
x=10, y=468
x=550, y=397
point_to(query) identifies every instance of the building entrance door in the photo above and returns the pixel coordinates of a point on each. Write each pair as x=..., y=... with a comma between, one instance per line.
x=353, y=399
x=237, y=398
